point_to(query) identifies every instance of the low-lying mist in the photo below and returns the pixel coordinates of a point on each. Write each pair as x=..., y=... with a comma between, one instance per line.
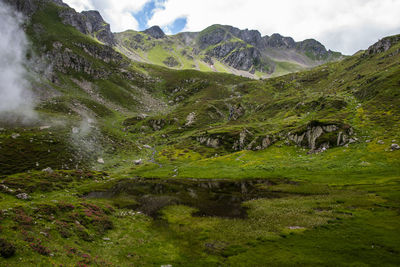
x=16, y=98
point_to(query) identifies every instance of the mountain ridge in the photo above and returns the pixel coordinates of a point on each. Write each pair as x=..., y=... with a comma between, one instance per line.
x=243, y=50
x=218, y=48
x=123, y=158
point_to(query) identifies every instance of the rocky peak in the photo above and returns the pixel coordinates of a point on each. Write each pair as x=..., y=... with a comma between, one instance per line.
x=29, y=7
x=278, y=41
x=314, y=47
x=212, y=35
x=88, y=22
x=155, y=32
x=95, y=19
x=252, y=37
x=383, y=45
x=99, y=27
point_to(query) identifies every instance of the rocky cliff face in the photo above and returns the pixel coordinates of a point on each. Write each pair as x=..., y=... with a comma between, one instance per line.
x=383, y=45
x=248, y=50
x=29, y=7
x=155, y=32
x=313, y=49
x=65, y=60
x=278, y=41
x=88, y=22
x=316, y=137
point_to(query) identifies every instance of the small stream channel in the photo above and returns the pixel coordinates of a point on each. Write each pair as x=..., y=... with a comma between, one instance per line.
x=221, y=198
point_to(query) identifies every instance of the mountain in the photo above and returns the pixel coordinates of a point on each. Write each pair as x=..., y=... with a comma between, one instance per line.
x=218, y=48
x=221, y=48
x=127, y=163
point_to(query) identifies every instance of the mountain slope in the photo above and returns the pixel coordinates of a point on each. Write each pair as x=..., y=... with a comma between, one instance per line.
x=225, y=49
x=129, y=163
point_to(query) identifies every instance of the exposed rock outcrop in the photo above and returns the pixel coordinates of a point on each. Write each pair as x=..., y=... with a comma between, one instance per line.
x=171, y=62
x=318, y=137
x=244, y=58
x=382, y=45
x=278, y=41
x=245, y=137
x=247, y=50
x=99, y=28
x=155, y=32
x=210, y=141
x=29, y=7
x=313, y=49
x=88, y=22
x=157, y=124
x=235, y=112
x=64, y=59
x=190, y=119
x=244, y=140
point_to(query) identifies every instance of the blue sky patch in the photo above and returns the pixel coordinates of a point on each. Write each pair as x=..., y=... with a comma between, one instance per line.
x=147, y=12
x=177, y=26
x=144, y=15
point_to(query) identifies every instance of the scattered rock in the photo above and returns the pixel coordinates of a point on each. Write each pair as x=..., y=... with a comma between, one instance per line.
x=395, y=147
x=23, y=196
x=48, y=170
x=138, y=161
x=157, y=124
x=171, y=62
x=44, y=127
x=209, y=141
x=147, y=146
x=190, y=119
x=352, y=140
x=100, y=160
x=295, y=227
x=236, y=112
x=75, y=130
x=5, y=189
x=367, y=141
x=380, y=142
x=15, y=135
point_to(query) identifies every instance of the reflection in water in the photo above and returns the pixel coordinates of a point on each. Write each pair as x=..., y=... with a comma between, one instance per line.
x=221, y=198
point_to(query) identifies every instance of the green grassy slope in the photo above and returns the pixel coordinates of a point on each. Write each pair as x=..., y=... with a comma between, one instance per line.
x=340, y=207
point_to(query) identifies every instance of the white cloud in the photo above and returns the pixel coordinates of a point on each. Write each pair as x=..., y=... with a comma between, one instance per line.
x=16, y=100
x=344, y=25
x=117, y=13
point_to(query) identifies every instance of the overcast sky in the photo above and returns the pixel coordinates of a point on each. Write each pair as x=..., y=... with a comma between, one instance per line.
x=341, y=25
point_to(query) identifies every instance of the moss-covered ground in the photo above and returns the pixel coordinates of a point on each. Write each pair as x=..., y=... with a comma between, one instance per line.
x=340, y=207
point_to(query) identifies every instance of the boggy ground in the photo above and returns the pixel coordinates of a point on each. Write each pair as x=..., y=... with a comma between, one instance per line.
x=347, y=218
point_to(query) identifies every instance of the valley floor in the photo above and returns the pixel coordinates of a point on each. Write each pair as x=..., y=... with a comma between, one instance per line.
x=319, y=215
